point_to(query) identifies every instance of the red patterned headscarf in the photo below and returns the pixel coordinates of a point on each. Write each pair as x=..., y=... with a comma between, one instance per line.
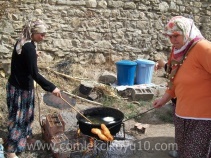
x=182, y=26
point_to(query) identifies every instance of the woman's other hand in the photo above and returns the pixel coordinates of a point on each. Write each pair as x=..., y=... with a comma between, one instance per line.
x=159, y=64
x=57, y=92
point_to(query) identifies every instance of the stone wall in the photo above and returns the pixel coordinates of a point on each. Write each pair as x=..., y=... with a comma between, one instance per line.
x=98, y=31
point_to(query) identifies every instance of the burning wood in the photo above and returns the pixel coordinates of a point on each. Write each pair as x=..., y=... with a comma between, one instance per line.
x=78, y=132
x=91, y=141
x=59, y=139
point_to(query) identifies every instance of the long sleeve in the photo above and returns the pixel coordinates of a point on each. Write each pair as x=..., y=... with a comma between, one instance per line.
x=31, y=62
x=24, y=70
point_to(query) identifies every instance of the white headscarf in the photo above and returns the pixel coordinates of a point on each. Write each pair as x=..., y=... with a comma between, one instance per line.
x=30, y=28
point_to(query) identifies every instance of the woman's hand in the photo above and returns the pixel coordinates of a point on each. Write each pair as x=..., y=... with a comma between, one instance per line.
x=38, y=53
x=57, y=92
x=159, y=64
x=158, y=103
x=162, y=101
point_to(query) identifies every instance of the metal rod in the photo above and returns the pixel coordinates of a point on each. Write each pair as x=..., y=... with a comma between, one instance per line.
x=123, y=129
x=76, y=110
x=138, y=114
x=132, y=117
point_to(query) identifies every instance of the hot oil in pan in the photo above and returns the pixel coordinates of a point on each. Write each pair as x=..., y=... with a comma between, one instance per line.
x=100, y=120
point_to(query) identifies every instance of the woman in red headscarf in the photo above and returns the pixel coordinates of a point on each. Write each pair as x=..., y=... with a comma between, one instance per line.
x=189, y=74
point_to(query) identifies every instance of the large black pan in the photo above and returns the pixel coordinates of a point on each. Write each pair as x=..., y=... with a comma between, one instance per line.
x=85, y=127
x=114, y=126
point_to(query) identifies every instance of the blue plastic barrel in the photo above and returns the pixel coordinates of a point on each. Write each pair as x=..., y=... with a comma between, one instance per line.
x=126, y=70
x=144, y=71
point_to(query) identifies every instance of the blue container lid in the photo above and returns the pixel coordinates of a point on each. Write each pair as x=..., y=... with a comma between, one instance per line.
x=145, y=61
x=126, y=62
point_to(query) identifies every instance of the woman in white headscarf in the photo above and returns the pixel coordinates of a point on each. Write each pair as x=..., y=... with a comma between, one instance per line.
x=20, y=88
x=189, y=73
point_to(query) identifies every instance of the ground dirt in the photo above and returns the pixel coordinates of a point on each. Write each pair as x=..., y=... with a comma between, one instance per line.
x=157, y=140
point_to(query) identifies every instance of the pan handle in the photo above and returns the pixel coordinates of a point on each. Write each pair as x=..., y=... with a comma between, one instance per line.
x=132, y=117
x=139, y=114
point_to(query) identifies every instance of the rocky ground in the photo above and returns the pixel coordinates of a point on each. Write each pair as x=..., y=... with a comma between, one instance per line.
x=157, y=140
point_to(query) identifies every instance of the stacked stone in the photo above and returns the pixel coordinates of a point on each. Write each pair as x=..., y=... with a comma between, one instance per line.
x=98, y=31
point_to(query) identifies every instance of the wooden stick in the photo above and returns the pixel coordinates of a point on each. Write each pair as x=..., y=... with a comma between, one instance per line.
x=61, y=74
x=105, y=88
x=76, y=110
x=93, y=102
